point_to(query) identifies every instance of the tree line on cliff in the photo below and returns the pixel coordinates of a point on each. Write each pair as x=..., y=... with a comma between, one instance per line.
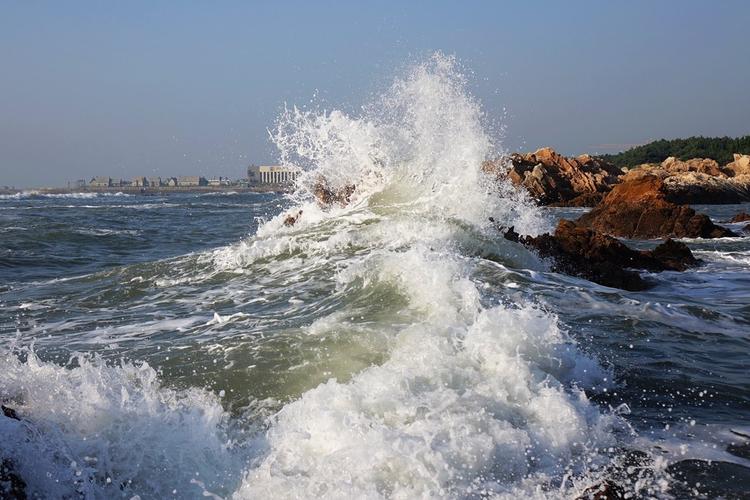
x=720, y=149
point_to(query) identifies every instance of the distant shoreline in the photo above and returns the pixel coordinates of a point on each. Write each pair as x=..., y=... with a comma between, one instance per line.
x=162, y=190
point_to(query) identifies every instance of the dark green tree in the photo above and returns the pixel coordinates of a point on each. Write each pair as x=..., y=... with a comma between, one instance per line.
x=720, y=149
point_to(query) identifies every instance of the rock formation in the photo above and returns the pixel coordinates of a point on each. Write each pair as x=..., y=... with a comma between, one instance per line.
x=700, y=180
x=740, y=217
x=640, y=207
x=555, y=179
x=581, y=252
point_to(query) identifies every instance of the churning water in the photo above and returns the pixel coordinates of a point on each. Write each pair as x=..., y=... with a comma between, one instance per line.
x=187, y=346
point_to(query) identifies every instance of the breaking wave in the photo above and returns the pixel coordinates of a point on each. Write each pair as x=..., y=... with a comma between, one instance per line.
x=476, y=396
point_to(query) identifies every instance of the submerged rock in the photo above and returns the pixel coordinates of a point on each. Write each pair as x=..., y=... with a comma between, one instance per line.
x=555, y=179
x=591, y=255
x=640, y=208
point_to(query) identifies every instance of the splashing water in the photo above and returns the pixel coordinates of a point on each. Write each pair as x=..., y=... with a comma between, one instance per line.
x=461, y=396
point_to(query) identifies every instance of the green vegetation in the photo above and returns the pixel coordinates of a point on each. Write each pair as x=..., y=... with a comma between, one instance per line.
x=717, y=148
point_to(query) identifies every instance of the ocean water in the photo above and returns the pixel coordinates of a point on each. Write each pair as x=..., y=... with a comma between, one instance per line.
x=193, y=345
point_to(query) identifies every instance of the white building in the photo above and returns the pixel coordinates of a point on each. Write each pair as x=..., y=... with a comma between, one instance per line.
x=271, y=174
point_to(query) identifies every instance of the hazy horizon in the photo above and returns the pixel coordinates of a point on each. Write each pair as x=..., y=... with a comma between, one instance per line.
x=170, y=89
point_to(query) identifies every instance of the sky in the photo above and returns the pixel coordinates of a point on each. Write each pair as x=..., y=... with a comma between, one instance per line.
x=187, y=88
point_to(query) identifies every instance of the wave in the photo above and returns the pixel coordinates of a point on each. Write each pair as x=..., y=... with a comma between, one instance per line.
x=98, y=431
x=26, y=195
x=476, y=394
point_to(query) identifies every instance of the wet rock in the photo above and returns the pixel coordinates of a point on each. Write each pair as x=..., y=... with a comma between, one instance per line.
x=594, y=256
x=699, y=478
x=9, y=412
x=640, y=208
x=740, y=217
x=292, y=219
x=552, y=178
x=741, y=450
x=674, y=255
x=11, y=484
x=327, y=196
x=606, y=490
x=627, y=468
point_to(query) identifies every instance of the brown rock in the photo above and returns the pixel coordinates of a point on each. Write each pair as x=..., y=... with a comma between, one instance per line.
x=552, y=178
x=739, y=167
x=328, y=196
x=581, y=252
x=740, y=217
x=700, y=180
x=702, y=165
x=639, y=208
x=582, y=200
x=292, y=219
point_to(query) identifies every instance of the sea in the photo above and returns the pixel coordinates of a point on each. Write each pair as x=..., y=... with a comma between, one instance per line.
x=396, y=346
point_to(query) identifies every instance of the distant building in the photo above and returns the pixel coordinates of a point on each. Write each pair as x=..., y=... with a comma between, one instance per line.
x=171, y=182
x=124, y=183
x=154, y=181
x=100, y=182
x=191, y=181
x=219, y=181
x=271, y=174
x=80, y=183
x=139, y=182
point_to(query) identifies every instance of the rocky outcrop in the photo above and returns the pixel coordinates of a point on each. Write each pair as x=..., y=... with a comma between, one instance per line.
x=700, y=180
x=640, y=207
x=740, y=217
x=740, y=167
x=551, y=178
x=581, y=252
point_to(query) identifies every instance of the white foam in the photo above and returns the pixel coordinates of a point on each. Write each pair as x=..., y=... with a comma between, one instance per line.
x=470, y=399
x=112, y=431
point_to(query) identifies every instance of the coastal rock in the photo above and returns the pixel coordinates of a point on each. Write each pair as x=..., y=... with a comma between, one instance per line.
x=552, y=178
x=640, y=208
x=11, y=484
x=327, y=196
x=606, y=490
x=588, y=254
x=740, y=217
x=709, y=479
x=739, y=167
x=700, y=180
x=582, y=200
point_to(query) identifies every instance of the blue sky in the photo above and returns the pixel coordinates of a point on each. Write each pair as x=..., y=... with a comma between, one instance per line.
x=179, y=88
